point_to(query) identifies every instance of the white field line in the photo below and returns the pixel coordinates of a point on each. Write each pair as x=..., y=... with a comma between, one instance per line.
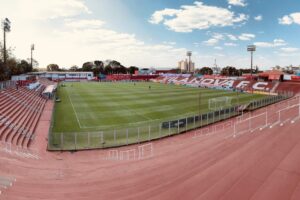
x=149, y=120
x=78, y=121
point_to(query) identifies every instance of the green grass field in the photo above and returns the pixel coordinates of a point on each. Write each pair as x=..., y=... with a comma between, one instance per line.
x=97, y=107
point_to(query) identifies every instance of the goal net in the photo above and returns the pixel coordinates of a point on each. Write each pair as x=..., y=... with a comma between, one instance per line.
x=219, y=103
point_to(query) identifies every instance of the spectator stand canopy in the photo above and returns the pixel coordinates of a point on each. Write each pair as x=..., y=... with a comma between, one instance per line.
x=49, y=91
x=272, y=75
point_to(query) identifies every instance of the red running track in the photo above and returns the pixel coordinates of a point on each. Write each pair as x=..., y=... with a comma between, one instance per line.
x=260, y=165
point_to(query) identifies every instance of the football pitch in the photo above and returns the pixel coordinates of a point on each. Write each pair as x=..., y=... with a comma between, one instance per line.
x=94, y=106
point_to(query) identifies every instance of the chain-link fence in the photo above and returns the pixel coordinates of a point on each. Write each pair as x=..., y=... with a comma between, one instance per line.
x=132, y=135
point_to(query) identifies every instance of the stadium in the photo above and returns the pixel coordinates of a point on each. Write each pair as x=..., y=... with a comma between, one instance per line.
x=146, y=128
x=208, y=124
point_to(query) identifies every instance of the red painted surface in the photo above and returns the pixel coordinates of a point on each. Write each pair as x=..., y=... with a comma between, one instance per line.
x=260, y=165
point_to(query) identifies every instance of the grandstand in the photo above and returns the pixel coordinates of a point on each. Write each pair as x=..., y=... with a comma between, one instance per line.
x=20, y=112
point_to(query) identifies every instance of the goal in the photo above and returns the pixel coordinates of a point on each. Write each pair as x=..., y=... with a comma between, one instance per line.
x=219, y=103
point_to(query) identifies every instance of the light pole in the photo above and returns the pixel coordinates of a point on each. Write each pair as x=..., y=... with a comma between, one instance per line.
x=6, y=28
x=251, y=49
x=31, y=51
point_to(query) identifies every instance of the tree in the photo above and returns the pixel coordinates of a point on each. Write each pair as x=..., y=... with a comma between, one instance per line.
x=13, y=66
x=10, y=62
x=99, y=67
x=256, y=70
x=74, y=68
x=3, y=75
x=132, y=69
x=9, y=52
x=229, y=71
x=35, y=63
x=114, y=64
x=108, y=70
x=206, y=71
x=52, y=67
x=23, y=67
x=121, y=70
x=87, y=66
x=99, y=63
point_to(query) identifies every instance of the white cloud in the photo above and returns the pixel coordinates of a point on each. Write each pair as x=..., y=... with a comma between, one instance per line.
x=196, y=16
x=218, y=48
x=32, y=9
x=115, y=45
x=241, y=3
x=158, y=16
x=290, y=19
x=216, y=37
x=258, y=18
x=211, y=42
x=279, y=42
x=78, y=24
x=243, y=36
x=264, y=44
x=196, y=44
x=246, y=36
x=229, y=44
x=232, y=37
x=68, y=38
x=290, y=49
x=275, y=43
x=169, y=43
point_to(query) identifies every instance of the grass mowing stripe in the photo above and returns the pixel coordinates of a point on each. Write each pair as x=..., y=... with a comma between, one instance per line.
x=78, y=121
x=124, y=105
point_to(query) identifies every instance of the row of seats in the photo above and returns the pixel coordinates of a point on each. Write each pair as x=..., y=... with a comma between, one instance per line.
x=20, y=111
x=289, y=86
x=45, y=82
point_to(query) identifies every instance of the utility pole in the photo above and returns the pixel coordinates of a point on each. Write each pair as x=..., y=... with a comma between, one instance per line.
x=31, y=52
x=6, y=28
x=4, y=46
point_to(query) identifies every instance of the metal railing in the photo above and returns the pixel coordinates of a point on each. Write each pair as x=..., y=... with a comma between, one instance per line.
x=138, y=134
x=7, y=84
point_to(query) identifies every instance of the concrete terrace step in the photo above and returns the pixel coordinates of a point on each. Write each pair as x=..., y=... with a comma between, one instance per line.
x=22, y=124
x=25, y=142
x=19, y=115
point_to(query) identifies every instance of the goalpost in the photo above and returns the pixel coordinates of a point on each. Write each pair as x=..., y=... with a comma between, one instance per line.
x=219, y=103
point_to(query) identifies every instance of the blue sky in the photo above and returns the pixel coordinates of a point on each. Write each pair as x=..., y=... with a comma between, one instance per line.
x=155, y=33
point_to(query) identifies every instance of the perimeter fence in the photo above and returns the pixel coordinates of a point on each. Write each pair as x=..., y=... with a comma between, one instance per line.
x=153, y=131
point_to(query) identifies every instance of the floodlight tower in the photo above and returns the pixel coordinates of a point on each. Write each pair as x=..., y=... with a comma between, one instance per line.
x=251, y=49
x=6, y=28
x=189, y=54
x=31, y=52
